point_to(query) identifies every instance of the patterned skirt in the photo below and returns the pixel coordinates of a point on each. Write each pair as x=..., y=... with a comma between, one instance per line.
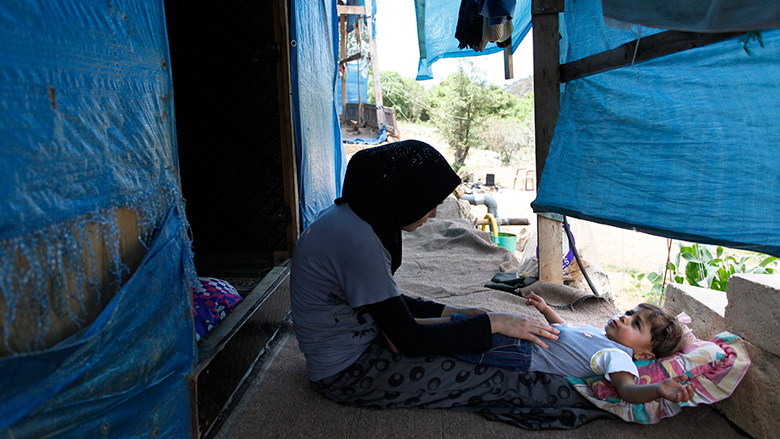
x=382, y=379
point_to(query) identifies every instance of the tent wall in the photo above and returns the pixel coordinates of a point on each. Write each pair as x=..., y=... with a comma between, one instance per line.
x=321, y=159
x=97, y=263
x=92, y=335
x=686, y=143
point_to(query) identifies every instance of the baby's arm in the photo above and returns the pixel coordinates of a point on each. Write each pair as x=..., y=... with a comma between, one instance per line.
x=539, y=303
x=633, y=393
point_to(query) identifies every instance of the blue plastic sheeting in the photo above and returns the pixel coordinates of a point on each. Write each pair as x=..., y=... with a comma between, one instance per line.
x=321, y=158
x=357, y=84
x=86, y=114
x=380, y=138
x=126, y=374
x=352, y=18
x=86, y=122
x=436, y=24
x=684, y=146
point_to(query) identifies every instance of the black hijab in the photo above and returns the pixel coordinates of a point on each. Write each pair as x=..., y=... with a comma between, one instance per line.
x=394, y=185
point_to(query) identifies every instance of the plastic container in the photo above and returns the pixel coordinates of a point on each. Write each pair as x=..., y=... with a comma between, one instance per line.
x=506, y=240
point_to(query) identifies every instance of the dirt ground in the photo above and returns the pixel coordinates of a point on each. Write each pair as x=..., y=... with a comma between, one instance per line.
x=620, y=252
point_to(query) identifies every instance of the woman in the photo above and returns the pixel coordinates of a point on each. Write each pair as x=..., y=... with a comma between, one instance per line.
x=366, y=344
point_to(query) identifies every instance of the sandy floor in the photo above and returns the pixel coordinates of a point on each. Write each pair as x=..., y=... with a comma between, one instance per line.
x=620, y=252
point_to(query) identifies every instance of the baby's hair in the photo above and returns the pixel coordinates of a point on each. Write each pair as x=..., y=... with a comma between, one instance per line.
x=667, y=331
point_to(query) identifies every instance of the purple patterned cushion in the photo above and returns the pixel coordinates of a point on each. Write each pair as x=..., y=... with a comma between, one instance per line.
x=212, y=300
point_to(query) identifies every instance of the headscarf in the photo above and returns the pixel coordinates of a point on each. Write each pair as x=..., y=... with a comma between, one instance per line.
x=394, y=185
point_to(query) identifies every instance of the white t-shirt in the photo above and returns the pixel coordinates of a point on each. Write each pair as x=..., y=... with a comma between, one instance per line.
x=339, y=265
x=582, y=351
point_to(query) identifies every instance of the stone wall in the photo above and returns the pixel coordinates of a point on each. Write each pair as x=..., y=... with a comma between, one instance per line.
x=751, y=309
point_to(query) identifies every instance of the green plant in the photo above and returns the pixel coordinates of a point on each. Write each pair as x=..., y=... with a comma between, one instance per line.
x=704, y=269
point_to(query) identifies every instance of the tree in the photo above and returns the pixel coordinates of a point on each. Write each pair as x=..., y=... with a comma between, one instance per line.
x=461, y=102
x=406, y=96
x=512, y=138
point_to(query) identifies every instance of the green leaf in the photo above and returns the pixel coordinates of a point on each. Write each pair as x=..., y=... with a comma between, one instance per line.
x=693, y=274
x=767, y=261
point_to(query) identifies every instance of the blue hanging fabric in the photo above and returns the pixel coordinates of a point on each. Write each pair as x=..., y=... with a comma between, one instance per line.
x=437, y=24
x=88, y=132
x=682, y=146
x=321, y=158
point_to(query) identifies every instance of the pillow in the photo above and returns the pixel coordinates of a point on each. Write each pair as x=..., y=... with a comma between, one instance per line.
x=714, y=367
x=212, y=300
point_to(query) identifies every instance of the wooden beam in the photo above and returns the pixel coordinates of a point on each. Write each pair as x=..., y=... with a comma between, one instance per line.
x=550, y=235
x=653, y=46
x=342, y=55
x=509, y=66
x=374, y=56
x=286, y=132
x=353, y=57
x=359, y=37
x=547, y=97
x=347, y=10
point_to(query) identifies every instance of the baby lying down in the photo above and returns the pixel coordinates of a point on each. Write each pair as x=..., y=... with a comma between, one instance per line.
x=643, y=333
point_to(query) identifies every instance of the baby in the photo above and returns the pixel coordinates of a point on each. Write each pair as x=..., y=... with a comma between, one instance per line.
x=643, y=333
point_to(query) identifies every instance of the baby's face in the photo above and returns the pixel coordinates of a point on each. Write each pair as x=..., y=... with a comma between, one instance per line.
x=633, y=329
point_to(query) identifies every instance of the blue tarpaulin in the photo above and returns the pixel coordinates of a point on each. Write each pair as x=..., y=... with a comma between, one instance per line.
x=380, y=138
x=321, y=158
x=86, y=122
x=357, y=85
x=436, y=24
x=683, y=146
x=123, y=376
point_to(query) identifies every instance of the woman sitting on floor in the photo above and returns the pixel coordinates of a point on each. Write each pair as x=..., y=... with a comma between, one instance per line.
x=344, y=297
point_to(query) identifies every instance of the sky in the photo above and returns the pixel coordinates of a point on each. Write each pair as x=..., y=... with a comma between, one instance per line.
x=398, y=50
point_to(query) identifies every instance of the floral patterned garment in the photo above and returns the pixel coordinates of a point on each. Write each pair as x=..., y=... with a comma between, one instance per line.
x=212, y=300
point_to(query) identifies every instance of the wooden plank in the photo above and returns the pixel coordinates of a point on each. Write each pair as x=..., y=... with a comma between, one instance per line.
x=546, y=107
x=359, y=37
x=547, y=7
x=509, y=67
x=227, y=353
x=82, y=300
x=347, y=10
x=353, y=57
x=653, y=46
x=287, y=137
x=342, y=55
x=374, y=56
x=550, y=249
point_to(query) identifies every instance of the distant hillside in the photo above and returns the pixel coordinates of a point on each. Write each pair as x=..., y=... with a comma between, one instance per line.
x=521, y=88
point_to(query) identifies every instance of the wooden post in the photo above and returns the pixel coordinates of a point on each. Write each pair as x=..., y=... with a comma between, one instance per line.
x=343, y=55
x=286, y=132
x=361, y=107
x=509, y=66
x=380, y=112
x=547, y=103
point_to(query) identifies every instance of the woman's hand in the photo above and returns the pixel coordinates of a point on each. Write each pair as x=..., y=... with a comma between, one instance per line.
x=517, y=326
x=450, y=310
